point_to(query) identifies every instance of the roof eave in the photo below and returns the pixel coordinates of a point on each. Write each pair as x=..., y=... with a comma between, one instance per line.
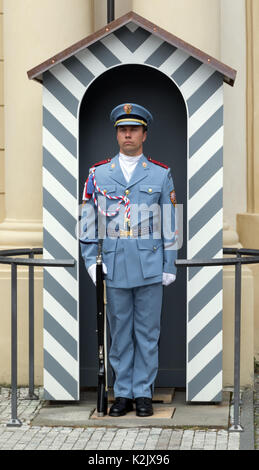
x=228, y=73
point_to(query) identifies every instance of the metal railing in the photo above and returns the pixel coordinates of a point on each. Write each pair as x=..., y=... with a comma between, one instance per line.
x=6, y=258
x=253, y=258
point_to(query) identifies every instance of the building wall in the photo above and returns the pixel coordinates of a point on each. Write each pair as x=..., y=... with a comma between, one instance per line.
x=1, y=114
x=33, y=31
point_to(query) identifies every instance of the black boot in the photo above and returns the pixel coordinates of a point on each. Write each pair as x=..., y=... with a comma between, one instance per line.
x=144, y=406
x=121, y=406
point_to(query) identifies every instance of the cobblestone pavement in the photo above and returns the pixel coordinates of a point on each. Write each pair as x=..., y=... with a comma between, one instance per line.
x=29, y=437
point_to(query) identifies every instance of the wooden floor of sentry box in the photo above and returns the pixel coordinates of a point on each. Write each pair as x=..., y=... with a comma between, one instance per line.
x=161, y=412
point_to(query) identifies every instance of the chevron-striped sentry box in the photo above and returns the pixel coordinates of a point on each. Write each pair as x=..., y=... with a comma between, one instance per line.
x=65, y=78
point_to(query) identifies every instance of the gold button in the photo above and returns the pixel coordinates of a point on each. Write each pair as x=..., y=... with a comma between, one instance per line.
x=144, y=164
x=113, y=165
x=127, y=191
x=105, y=191
x=150, y=190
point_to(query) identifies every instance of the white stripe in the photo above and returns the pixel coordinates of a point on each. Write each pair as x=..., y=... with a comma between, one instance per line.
x=207, y=110
x=57, y=109
x=205, y=316
x=62, y=276
x=59, y=152
x=68, y=80
x=196, y=80
x=55, y=188
x=200, y=198
x=206, y=233
x=55, y=389
x=91, y=62
x=211, y=390
x=205, y=356
x=60, y=314
x=117, y=48
x=201, y=279
x=204, y=153
x=147, y=48
x=60, y=234
x=61, y=355
x=174, y=62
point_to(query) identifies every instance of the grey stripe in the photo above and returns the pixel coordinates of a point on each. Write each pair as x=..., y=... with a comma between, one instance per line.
x=59, y=212
x=206, y=131
x=103, y=54
x=60, y=374
x=161, y=54
x=205, y=295
x=205, y=376
x=207, y=252
x=186, y=70
x=203, y=175
x=59, y=172
x=206, y=90
x=205, y=336
x=60, y=294
x=132, y=40
x=60, y=334
x=78, y=70
x=218, y=397
x=48, y=396
x=60, y=132
x=60, y=92
x=58, y=251
x=205, y=213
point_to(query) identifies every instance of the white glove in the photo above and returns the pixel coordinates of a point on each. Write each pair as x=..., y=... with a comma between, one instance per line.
x=92, y=271
x=168, y=278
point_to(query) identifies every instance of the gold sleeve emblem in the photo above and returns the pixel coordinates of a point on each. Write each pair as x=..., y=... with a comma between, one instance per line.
x=173, y=197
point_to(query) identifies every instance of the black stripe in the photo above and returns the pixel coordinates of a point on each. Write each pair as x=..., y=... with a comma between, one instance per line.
x=57, y=89
x=132, y=40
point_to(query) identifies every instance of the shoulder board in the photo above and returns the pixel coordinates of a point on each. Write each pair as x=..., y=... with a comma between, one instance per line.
x=102, y=162
x=157, y=163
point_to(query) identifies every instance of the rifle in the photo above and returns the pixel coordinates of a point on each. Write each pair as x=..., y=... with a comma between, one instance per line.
x=102, y=393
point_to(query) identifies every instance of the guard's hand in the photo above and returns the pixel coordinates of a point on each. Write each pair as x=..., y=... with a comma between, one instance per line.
x=92, y=271
x=168, y=278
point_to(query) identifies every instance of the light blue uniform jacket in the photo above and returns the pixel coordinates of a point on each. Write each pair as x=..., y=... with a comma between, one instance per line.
x=142, y=258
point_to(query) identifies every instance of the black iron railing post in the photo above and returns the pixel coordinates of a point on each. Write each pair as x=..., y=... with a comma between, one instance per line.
x=31, y=395
x=6, y=259
x=236, y=425
x=14, y=420
x=252, y=258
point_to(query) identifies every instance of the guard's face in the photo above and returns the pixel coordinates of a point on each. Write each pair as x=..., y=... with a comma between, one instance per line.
x=131, y=139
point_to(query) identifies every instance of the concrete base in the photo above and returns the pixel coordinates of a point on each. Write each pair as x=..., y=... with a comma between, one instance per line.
x=177, y=414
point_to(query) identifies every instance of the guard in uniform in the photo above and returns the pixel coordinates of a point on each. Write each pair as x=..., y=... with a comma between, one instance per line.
x=139, y=250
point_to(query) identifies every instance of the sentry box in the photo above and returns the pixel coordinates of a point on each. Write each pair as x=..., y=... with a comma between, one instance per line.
x=132, y=59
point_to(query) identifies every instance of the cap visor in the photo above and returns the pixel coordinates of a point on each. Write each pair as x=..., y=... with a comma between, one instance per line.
x=129, y=123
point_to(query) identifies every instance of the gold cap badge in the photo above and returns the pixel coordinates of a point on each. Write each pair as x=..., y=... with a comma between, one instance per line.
x=127, y=108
